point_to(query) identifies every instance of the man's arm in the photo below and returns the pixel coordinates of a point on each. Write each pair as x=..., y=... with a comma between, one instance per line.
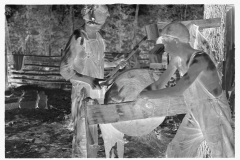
x=93, y=82
x=166, y=76
x=112, y=64
x=198, y=65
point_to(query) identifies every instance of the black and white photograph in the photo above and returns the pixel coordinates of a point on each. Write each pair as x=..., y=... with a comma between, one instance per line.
x=118, y=80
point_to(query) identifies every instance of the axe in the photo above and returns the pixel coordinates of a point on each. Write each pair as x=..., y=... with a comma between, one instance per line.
x=152, y=35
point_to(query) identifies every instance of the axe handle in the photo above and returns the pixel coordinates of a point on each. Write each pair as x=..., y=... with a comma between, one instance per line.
x=135, y=50
x=132, y=53
x=144, y=38
x=114, y=71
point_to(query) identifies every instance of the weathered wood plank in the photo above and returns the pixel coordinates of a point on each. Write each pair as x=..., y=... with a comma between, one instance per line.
x=46, y=61
x=34, y=72
x=51, y=58
x=32, y=81
x=203, y=23
x=40, y=68
x=39, y=77
x=36, y=58
x=41, y=83
x=64, y=86
x=113, y=113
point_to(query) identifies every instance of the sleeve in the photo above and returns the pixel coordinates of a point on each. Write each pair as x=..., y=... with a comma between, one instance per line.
x=69, y=54
x=159, y=41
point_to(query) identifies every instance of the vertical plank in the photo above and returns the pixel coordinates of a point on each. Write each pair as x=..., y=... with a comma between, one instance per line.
x=85, y=138
x=79, y=145
x=229, y=66
x=91, y=132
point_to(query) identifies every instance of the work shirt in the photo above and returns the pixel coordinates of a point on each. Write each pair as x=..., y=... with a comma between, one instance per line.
x=85, y=56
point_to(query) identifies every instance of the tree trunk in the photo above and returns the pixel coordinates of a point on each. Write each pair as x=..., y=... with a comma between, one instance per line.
x=222, y=43
x=7, y=52
x=135, y=24
x=215, y=36
x=120, y=30
x=72, y=17
x=185, y=12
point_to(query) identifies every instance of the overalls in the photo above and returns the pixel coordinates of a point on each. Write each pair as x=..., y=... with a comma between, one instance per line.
x=205, y=130
x=90, y=62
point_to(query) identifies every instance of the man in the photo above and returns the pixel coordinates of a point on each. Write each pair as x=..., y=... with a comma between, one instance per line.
x=83, y=64
x=205, y=130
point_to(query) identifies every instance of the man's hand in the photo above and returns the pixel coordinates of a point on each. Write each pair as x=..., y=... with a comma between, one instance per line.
x=95, y=83
x=122, y=62
x=107, y=82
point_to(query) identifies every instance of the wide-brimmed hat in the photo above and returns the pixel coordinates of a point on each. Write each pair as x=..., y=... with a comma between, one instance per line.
x=91, y=8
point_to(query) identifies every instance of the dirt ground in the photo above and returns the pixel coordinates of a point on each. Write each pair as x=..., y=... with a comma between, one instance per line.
x=46, y=133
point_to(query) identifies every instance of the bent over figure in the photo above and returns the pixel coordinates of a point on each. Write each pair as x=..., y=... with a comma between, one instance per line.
x=205, y=130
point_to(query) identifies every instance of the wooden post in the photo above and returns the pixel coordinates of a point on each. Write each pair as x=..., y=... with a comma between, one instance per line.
x=229, y=65
x=79, y=146
x=91, y=131
x=85, y=137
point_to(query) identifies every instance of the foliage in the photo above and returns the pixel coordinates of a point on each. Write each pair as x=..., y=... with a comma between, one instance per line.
x=120, y=30
x=120, y=25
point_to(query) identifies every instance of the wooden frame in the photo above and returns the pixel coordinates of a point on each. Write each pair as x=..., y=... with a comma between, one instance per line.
x=92, y=114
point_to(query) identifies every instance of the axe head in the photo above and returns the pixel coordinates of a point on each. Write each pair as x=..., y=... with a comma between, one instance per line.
x=152, y=32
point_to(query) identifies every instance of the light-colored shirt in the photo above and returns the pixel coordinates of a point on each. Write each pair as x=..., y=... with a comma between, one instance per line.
x=85, y=56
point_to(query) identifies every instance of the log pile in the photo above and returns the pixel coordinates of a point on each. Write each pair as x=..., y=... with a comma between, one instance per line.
x=41, y=71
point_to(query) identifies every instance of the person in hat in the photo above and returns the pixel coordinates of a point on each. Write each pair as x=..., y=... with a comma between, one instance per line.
x=83, y=64
x=206, y=128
